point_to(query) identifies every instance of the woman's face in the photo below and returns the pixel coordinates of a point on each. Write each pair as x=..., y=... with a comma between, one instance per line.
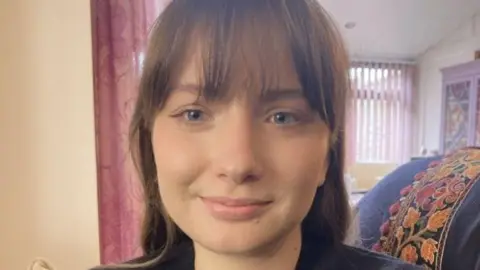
x=239, y=173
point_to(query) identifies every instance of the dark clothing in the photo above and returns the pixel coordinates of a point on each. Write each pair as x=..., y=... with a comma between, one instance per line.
x=345, y=258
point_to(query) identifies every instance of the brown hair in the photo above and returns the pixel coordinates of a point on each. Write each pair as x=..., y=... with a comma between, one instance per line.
x=319, y=58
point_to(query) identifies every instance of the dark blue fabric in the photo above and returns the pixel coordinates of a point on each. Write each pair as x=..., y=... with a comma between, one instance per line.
x=464, y=235
x=372, y=209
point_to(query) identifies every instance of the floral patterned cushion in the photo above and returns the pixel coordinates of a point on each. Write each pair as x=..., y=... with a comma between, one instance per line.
x=420, y=222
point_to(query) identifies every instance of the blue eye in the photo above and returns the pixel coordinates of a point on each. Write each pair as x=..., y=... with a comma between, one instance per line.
x=193, y=115
x=283, y=118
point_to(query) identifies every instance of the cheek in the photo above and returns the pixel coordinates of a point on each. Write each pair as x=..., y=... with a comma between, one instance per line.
x=305, y=162
x=302, y=169
x=177, y=159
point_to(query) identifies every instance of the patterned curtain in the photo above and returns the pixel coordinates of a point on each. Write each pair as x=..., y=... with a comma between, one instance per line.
x=120, y=31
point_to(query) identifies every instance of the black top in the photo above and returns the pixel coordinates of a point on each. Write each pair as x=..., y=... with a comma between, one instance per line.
x=345, y=258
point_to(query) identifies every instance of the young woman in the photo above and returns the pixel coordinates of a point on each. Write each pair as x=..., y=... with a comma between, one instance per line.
x=238, y=137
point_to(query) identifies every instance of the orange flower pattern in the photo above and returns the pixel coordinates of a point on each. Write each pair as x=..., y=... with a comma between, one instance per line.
x=418, y=226
x=409, y=254
x=428, y=250
x=411, y=218
x=438, y=219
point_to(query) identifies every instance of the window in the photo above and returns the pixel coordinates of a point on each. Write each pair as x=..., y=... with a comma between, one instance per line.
x=380, y=115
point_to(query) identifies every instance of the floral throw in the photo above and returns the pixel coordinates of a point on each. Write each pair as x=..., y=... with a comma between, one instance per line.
x=419, y=222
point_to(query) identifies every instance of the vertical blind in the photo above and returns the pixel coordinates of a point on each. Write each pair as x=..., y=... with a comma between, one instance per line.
x=380, y=114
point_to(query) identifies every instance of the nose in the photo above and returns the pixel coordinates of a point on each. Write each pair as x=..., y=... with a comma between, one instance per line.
x=238, y=152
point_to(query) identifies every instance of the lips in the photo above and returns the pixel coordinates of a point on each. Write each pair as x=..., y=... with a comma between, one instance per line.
x=235, y=209
x=235, y=202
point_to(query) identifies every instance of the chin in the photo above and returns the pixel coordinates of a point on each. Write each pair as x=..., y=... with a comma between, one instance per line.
x=231, y=243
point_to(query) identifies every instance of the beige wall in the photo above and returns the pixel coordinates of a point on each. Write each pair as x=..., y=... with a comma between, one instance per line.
x=367, y=174
x=459, y=47
x=48, y=204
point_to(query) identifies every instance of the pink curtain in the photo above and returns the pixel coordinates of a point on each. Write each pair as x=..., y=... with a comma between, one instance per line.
x=379, y=123
x=120, y=30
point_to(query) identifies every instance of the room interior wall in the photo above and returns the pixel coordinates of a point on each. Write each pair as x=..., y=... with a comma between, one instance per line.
x=367, y=175
x=48, y=197
x=456, y=48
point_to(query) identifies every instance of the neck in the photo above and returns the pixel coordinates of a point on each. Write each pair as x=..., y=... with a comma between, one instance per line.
x=281, y=255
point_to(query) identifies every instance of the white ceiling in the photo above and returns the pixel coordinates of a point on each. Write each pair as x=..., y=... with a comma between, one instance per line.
x=398, y=29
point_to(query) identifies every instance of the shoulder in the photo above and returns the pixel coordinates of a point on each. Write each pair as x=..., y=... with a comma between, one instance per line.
x=358, y=258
